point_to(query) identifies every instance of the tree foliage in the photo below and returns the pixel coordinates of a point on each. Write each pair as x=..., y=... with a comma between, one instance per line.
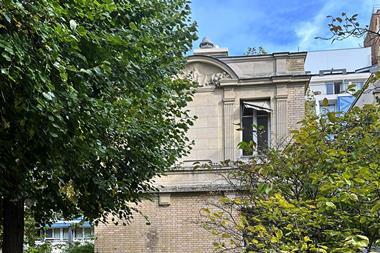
x=255, y=51
x=89, y=108
x=345, y=26
x=78, y=248
x=321, y=193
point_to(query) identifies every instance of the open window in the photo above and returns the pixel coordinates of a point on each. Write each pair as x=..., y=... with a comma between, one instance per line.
x=255, y=123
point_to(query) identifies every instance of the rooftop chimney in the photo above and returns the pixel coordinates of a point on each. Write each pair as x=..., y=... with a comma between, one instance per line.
x=207, y=47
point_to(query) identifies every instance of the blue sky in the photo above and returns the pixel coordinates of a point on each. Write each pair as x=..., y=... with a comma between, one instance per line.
x=276, y=25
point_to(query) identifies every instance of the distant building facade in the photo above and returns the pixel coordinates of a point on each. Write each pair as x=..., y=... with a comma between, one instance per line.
x=369, y=95
x=235, y=92
x=336, y=76
x=62, y=233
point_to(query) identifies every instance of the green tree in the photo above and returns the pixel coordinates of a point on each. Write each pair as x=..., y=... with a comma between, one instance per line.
x=78, y=248
x=345, y=26
x=255, y=51
x=318, y=194
x=90, y=110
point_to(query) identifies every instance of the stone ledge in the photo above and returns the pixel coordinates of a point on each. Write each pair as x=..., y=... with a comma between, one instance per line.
x=196, y=188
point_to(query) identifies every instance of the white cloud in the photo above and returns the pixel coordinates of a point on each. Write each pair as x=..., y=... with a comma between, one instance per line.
x=274, y=24
x=306, y=31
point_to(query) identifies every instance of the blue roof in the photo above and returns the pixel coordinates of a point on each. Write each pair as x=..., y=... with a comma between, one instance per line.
x=60, y=225
x=76, y=222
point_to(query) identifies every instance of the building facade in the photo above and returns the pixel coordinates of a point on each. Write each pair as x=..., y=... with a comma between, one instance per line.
x=62, y=233
x=235, y=94
x=372, y=40
x=369, y=95
x=336, y=76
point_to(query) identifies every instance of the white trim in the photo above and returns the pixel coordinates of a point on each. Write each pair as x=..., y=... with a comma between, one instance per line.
x=259, y=105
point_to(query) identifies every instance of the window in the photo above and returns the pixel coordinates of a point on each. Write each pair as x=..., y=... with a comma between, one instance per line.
x=338, y=87
x=354, y=86
x=56, y=233
x=329, y=88
x=88, y=232
x=256, y=124
x=78, y=233
x=49, y=233
x=65, y=234
x=327, y=109
x=359, y=85
x=335, y=88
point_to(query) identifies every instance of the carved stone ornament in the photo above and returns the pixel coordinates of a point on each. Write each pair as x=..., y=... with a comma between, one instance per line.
x=204, y=77
x=215, y=78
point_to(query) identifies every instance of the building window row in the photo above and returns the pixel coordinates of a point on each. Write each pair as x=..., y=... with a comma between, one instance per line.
x=63, y=234
x=337, y=87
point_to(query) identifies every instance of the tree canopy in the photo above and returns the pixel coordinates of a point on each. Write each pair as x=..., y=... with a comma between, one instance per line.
x=255, y=51
x=318, y=194
x=89, y=108
x=345, y=26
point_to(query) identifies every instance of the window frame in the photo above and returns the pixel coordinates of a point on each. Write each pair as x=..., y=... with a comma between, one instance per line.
x=254, y=123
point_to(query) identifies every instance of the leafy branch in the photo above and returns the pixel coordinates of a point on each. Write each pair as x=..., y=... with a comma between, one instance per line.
x=345, y=26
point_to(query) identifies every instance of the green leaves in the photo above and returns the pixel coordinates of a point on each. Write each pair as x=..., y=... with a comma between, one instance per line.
x=48, y=95
x=357, y=241
x=88, y=105
x=345, y=26
x=330, y=205
x=321, y=192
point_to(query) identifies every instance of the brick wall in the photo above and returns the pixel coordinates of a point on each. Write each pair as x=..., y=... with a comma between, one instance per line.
x=172, y=229
x=296, y=105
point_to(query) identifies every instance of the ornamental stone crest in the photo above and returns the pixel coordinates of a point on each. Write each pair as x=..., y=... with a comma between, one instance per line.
x=205, y=75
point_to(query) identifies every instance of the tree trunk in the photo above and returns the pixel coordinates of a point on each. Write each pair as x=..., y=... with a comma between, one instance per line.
x=13, y=226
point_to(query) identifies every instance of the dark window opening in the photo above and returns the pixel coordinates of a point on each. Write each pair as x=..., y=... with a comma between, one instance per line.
x=338, y=87
x=262, y=130
x=255, y=125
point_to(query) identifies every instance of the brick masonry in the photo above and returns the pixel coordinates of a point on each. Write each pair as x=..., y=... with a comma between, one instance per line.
x=296, y=105
x=172, y=229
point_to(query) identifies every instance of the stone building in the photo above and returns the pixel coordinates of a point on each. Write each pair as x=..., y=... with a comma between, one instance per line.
x=234, y=92
x=372, y=40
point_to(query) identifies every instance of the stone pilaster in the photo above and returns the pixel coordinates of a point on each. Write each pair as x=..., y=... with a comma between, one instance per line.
x=229, y=146
x=281, y=118
x=281, y=112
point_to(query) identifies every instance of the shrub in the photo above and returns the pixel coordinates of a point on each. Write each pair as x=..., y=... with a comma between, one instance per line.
x=78, y=248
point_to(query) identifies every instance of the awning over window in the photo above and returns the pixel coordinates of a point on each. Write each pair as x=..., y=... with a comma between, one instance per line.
x=258, y=105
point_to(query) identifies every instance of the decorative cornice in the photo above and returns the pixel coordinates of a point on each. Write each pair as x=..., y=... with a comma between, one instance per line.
x=278, y=97
x=213, y=61
x=229, y=100
x=250, y=58
x=269, y=80
x=197, y=188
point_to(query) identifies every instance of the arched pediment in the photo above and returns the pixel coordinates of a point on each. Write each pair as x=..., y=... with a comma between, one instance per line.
x=208, y=71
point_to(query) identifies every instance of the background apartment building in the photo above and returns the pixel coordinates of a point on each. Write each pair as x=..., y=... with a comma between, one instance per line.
x=333, y=73
x=62, y=233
